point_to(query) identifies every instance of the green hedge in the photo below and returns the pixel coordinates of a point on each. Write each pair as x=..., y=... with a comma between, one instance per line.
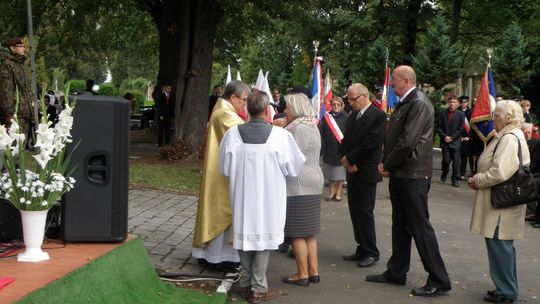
x=77, y=85
x=107, y=89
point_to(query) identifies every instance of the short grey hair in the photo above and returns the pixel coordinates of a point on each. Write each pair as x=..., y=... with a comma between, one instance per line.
x=300, y=105
x=237, y=88
x=512, y=112
x=526, y=125
x=257, y=103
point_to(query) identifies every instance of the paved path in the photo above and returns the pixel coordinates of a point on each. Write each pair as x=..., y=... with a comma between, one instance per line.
x=165, y=221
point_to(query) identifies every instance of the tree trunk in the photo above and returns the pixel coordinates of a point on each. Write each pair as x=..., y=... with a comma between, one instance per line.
x=456, y=15
x=199, y=21
x=166, y=15
x=411, y=29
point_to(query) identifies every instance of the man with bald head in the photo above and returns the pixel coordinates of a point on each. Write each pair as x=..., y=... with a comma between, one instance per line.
x=361, y=150
x=408, y=161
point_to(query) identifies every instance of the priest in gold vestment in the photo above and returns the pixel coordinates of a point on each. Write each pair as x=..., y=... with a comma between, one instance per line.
x=211, y=238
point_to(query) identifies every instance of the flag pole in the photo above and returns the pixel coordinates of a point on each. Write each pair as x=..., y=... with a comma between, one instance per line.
x=489, y=52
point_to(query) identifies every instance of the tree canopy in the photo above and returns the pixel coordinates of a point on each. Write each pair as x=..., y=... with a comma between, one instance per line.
x=190, y=43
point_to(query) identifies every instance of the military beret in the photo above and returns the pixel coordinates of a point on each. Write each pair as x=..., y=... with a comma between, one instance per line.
x=14, y=41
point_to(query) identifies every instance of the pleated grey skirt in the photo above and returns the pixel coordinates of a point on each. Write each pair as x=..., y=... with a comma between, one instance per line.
x=334, y=173
x=303, y=216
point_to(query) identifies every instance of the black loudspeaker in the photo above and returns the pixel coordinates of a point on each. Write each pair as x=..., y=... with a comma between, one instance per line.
x=10, y=222
x=96, y=209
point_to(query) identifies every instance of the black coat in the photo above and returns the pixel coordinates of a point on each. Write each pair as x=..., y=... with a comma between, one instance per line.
x=466, y=146
x=408, y=147
x=453, y=128
x=330, y=145
x=534, y=150
x=362, y=144
x=164, y=108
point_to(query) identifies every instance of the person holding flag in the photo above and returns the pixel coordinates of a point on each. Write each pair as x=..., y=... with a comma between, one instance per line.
x=466, y=143
x=332, y=128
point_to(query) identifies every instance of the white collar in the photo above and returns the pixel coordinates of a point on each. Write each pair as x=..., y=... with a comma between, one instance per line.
x=363, y=110
x=406, y=94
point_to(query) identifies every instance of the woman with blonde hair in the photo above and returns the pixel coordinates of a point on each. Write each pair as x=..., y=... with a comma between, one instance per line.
x=304, y=192
x=500, y=227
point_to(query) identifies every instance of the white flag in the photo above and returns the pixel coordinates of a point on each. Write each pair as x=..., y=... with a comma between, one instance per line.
x=229, y=77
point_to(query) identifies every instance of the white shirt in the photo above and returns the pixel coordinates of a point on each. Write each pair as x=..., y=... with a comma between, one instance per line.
x=258, y=187
x=406, y=94
x=362, y=111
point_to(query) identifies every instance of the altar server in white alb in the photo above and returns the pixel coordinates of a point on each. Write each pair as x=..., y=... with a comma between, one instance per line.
x=256, y=157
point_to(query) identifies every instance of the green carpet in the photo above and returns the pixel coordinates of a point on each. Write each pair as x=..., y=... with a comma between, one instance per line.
x=124, y=275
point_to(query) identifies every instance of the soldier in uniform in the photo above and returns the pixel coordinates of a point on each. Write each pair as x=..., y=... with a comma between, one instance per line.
x=14, y=75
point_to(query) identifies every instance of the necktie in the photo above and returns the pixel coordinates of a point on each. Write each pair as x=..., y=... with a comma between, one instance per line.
x=358, y=115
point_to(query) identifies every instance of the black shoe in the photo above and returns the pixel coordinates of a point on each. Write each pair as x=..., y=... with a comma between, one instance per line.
x=443, y=178
x=535, y=225
x=368, y=262
x=455, y=183
x=316, y=279
x=300, y=282
x=382, y=278
x=429, y=291
x=352, y=257
x=283, y=247
x=497, y=298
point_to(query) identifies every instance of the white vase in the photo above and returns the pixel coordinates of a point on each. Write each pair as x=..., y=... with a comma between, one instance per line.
x=33, y=224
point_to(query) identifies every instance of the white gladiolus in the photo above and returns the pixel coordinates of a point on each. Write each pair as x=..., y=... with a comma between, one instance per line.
x=5, y=139
x=42, y=159
x=29, y=190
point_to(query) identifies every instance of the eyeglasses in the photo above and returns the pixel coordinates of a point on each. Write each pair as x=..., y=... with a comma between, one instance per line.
x=243, y=99
x=336, y=104
x=355, y=98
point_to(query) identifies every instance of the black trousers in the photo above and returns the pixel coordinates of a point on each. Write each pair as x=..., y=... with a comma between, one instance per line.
x=164, y=130
x=451, y=155
x=410, y=220
x=464, y=159
x=361, y=198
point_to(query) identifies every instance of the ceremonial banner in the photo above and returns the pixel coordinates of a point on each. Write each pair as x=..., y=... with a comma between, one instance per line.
x=327, y=91
x=317, y=88
x=481, y=119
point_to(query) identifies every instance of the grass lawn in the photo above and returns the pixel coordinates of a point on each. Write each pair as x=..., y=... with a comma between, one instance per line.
x=164, y=175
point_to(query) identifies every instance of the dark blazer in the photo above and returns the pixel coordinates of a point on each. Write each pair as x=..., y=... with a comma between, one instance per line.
x=164, y=108
x=466, y=146
x=534, y=150
x=453, y=128
x=408, y=147
x=362, y=144
x=330, y=145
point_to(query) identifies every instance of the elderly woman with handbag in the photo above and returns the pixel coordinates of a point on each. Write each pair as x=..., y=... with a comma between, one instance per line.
x=501, y=162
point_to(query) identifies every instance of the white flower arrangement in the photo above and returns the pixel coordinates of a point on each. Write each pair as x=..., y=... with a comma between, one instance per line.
x=41, y=188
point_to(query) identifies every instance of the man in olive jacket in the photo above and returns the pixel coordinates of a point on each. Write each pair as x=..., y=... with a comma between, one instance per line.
x=408, y=161
x=14, y=75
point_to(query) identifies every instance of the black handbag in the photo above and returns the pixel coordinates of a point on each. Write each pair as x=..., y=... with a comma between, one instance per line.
x=519, y=189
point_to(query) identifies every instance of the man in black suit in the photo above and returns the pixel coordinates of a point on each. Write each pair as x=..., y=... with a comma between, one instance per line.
x=361, y=149
x=450, y=129
x=408, y=161
x=533, y=213
x=216, y=95
x=165, y=111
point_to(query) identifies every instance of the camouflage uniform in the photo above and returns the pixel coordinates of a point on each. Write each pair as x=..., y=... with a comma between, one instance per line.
x=14, y=73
